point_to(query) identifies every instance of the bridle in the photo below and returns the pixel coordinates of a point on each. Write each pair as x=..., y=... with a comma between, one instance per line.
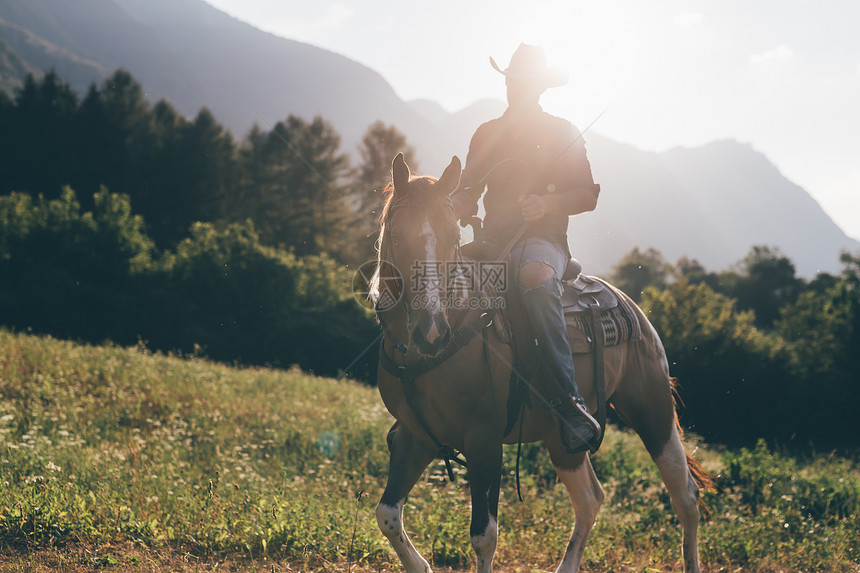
x=408, y=372
x=408, y=201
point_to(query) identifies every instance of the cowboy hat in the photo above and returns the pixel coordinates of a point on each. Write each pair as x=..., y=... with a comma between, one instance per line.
x=529, y=63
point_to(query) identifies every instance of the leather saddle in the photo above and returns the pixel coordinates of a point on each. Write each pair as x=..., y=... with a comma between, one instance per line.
x=583, y=292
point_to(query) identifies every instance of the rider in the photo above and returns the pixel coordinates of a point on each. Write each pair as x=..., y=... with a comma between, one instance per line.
x=537, y=175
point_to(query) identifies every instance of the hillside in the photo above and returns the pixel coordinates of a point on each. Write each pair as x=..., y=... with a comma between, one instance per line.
x=711, y=203
x=194, y=55
x=118, y=457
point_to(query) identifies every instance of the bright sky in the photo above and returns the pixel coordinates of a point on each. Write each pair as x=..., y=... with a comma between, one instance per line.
x=782, y=75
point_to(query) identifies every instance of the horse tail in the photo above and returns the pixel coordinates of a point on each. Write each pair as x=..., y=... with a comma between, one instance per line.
x=701, y=476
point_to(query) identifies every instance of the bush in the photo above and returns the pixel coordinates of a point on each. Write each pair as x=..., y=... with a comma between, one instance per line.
x=735, y=380
x=227, y=294
x=69, y=272
x=96, y=276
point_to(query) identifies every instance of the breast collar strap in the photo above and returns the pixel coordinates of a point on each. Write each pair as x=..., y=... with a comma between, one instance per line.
x=425, y=364
x=408, y=373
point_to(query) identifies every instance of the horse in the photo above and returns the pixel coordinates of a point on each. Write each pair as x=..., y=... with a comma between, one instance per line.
x=444, y=372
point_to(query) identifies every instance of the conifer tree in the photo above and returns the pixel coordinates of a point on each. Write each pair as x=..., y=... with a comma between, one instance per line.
x=40, y=134
x=294, y=180
x=378, y=147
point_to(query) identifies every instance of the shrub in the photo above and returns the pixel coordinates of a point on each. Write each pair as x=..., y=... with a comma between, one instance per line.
x=735, y=380
x=96, y=276
x=66, y=271
x=227, y=294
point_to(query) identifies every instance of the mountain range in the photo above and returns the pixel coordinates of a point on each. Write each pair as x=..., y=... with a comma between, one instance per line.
x=711, y=203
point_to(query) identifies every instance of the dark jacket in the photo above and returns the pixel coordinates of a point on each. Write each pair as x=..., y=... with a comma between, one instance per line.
x=525, y=152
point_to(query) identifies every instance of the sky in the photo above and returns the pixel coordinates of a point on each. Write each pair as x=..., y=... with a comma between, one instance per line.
x=782, y=76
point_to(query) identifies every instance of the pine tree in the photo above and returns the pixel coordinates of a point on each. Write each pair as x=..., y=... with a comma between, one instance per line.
x=294, y=180
x=40, y=134
x=196, y=171
x=378, y=147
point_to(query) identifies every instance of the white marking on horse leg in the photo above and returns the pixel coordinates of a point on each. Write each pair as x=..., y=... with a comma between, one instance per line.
x=390, y=520
x=586, y=495
x=485, y=546
x=672, y=463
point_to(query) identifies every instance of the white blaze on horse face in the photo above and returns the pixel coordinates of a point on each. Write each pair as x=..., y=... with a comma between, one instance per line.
x=433, y=280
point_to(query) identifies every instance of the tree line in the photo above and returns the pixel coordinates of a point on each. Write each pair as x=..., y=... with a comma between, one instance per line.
x=757, y=351
x=294, y=181
x=124, y=221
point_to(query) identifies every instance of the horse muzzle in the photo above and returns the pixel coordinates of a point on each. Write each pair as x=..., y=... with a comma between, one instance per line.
x=431, y=332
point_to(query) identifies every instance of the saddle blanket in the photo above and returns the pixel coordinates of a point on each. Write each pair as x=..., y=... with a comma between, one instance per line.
x=619, y=325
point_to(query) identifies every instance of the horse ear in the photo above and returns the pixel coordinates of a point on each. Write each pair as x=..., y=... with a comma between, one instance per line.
x=399, y=172
x=451, y=177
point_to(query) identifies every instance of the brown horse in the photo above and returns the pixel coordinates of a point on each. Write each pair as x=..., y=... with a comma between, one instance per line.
x=453, y=383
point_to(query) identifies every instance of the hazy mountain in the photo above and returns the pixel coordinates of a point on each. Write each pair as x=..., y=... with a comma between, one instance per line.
x=430, y=110
x=194, y=55
x=454, y=130
x=711, y=203
x=23, y=52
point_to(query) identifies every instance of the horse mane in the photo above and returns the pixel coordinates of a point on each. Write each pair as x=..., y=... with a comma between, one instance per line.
x=388, y=198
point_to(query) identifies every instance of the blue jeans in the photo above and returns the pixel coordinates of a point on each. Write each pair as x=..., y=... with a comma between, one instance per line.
x=543, y=306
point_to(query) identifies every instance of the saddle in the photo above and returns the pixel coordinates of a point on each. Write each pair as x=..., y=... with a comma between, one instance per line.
x=583, y=292
x=596, y=315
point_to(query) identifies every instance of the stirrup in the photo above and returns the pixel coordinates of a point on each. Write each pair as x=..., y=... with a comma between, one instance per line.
x=564, y=408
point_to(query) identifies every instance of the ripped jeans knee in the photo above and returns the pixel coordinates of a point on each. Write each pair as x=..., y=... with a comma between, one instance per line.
x=551, y=287
x=537, y=262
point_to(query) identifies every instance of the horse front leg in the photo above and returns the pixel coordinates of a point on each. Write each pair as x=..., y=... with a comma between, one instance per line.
x=586, y=495
x=405, y=466
x=485, y=475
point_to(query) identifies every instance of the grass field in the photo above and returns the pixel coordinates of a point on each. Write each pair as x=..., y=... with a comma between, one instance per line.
x=123, y=460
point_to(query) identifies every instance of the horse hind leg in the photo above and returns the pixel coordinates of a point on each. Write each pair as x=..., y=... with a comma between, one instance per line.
x=651, y=413
x=674, y=465
x=586, y=495
x=406, y=464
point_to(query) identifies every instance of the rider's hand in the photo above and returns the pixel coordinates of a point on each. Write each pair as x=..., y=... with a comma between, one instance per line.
x=465, y=207
x=533, y=207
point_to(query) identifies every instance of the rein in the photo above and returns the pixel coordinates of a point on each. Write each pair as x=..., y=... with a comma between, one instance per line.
x=409, y=373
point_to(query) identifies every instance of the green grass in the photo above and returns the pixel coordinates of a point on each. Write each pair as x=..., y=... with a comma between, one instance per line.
x=110, y=455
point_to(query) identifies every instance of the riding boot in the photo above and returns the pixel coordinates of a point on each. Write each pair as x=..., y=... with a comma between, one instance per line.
x=579, y=429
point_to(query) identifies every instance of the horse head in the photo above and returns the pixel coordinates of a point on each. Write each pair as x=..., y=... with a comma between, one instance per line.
x=420, y=237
